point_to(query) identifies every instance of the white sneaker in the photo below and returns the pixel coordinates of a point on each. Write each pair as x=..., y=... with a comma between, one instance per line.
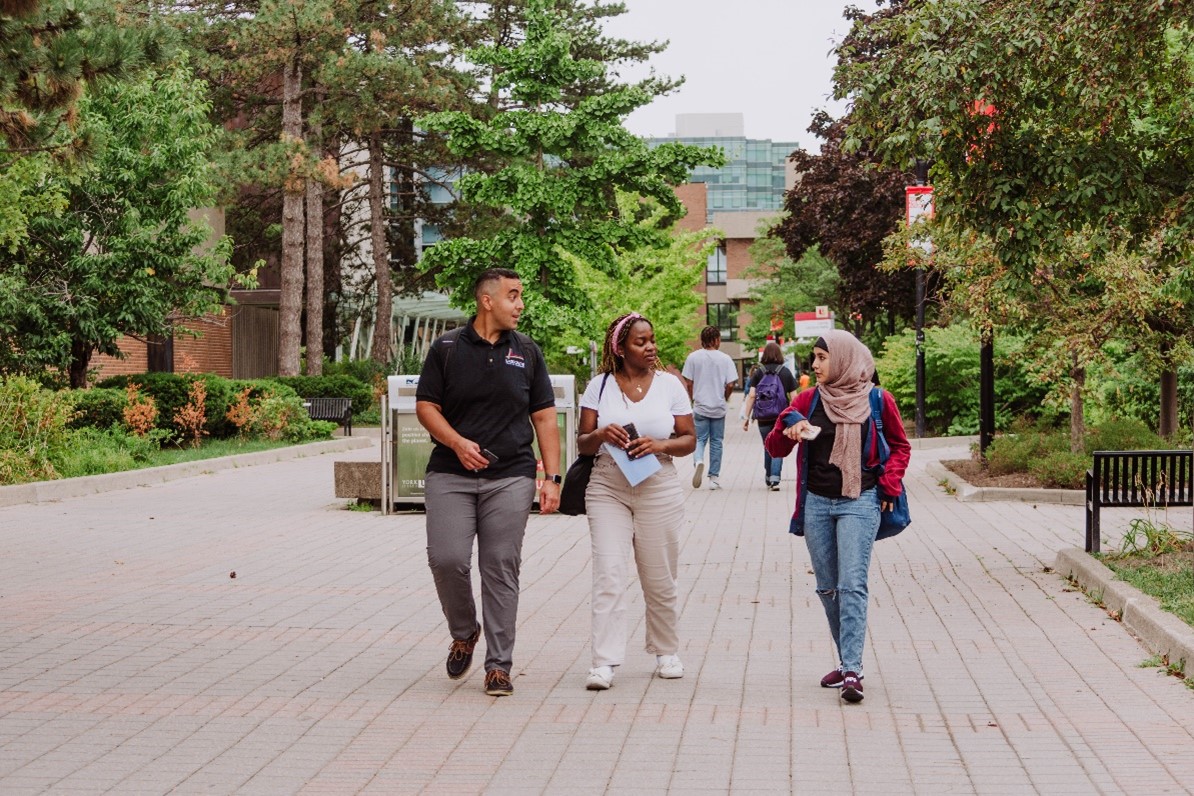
x=696, y=477
x=669, y=667
x=713, y=482
x=600, y=679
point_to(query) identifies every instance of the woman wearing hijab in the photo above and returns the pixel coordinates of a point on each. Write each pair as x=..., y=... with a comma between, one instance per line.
x=635, y=406
x=840, y=490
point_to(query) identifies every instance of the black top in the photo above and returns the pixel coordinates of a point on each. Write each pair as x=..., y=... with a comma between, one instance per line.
x=487, y=393
x=825, y=479
x=785, y=377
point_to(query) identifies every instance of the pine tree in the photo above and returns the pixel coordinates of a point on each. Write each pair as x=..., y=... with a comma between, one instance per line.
x=562, y=166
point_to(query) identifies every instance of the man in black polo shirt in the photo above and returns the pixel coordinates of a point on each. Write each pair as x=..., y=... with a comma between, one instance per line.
x=479, y=386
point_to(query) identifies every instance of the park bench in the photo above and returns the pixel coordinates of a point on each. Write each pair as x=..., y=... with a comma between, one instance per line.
x=1135, y=479
x=337, y=410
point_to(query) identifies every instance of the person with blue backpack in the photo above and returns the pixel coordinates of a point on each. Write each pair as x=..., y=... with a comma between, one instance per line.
x=852, y=453
x=767, y=393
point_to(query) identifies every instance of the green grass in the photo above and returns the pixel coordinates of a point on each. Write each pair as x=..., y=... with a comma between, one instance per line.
x=1159, y=561
x=1169, y=578
x=97, y=453
x=212, y=450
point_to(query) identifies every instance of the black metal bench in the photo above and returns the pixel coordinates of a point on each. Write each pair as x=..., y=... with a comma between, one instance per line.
x=337, y=410
x=1135, y=479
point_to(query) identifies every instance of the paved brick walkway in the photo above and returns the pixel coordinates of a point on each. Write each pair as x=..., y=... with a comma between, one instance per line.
x=131, y=661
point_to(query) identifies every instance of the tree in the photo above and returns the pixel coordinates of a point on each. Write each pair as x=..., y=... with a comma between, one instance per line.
x=123, y=257
x=53, y=50
x=1042, y=120
x=783, y=286
x=295, y=76
x=556, y=190
x=658, y=282
x=843, y=206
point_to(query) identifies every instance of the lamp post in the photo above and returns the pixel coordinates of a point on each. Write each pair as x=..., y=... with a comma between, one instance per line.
x=921, y=174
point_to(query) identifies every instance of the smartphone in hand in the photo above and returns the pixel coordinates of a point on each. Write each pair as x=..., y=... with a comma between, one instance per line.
x=811, y=432
x=489, y=455
x=632, y=432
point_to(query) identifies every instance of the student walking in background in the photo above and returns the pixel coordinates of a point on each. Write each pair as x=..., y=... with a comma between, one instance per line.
x=710, y=376
x=635, y=406
x=839, y=491
x=767, y=394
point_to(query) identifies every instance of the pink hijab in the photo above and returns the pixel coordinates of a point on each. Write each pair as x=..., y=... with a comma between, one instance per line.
x=845, y=393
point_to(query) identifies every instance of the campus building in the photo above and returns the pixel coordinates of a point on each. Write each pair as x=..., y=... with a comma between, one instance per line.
x=740, y=200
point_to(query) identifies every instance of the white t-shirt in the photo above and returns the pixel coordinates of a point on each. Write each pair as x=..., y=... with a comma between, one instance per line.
x=710, y=371
x=654, y=416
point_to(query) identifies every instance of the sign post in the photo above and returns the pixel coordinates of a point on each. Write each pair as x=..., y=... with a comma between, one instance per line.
x=918, y=204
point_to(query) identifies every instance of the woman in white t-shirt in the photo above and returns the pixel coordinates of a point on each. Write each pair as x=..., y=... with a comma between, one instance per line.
x=634, y=396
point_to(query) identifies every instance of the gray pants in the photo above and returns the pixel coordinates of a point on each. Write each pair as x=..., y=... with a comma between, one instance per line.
x=494, y=511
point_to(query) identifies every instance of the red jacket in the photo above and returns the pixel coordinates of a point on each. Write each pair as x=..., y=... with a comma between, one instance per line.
x=890, y=480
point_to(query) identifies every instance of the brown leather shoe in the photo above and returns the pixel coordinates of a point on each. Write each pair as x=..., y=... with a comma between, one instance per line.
x=497, y=683
x=460, y=655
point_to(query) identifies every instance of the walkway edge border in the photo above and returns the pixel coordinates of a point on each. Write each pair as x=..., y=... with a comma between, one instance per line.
x=968, y=493
x=1161, y=632
x=50, y=491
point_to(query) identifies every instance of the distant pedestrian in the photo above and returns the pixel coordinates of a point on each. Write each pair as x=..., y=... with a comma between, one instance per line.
x=839, y=494
x=710, y=376
x=482, y=389
x=635, y=406
x=767, y=393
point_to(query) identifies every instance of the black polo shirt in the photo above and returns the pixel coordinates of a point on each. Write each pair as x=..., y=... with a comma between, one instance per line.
x=487, y=393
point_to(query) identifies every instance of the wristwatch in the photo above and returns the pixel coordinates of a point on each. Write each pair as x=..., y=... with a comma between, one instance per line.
x=556, y=479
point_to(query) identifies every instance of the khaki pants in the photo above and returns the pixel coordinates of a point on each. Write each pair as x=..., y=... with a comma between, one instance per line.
x=643, y=521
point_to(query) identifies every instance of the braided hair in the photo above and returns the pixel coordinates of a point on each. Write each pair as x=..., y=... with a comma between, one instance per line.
x=616, y=335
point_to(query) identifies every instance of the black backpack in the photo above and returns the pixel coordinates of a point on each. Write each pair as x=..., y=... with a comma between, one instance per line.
x=770, y=398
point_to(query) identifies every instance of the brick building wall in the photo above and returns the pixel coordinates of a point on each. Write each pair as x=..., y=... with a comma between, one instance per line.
x=210, y=352
x=695, y=197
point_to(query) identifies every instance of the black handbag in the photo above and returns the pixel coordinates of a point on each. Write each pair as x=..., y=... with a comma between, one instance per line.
x=576, y=480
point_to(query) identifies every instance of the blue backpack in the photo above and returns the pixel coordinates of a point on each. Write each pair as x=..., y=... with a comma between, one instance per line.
x=770, y=398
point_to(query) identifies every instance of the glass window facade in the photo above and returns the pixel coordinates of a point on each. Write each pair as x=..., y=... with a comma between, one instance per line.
x=753, y=177
x=715, y=271
x=725, y=318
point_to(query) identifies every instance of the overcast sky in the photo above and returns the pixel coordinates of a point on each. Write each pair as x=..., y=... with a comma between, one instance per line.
x=767, y=59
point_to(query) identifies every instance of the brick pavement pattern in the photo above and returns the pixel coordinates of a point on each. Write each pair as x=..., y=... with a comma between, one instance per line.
x=131, y=661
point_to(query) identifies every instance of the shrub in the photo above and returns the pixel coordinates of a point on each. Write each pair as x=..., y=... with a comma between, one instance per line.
x=277, y=417
x=33, y=422
x=1061, y=469
x=97, y=408
x=952, y=379
x=192, y=417
x=171, y=392
x=1016, y=453
x=92, y=451
x=331, y=387
x=140, y=414
x=1124, y=435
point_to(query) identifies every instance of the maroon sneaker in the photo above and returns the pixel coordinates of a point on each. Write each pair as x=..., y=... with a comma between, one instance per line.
x=460, y=655
x=833, y=679
x=851, y=687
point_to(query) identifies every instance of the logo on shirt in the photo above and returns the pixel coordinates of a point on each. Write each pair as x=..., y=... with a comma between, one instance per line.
x=513, y=358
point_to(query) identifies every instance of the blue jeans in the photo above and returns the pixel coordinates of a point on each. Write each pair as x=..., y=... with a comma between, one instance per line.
x=711, y=430
x=772, y=467
x=840, y=534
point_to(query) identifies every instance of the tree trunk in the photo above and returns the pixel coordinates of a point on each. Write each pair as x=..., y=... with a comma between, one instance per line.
x=80, y=358
x=381, y=253
x=1077, y=419
x=290, y=301
x=1167, y=426
x=314, y=201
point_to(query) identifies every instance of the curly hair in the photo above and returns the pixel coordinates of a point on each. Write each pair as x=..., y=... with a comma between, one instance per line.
x=612, y=362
